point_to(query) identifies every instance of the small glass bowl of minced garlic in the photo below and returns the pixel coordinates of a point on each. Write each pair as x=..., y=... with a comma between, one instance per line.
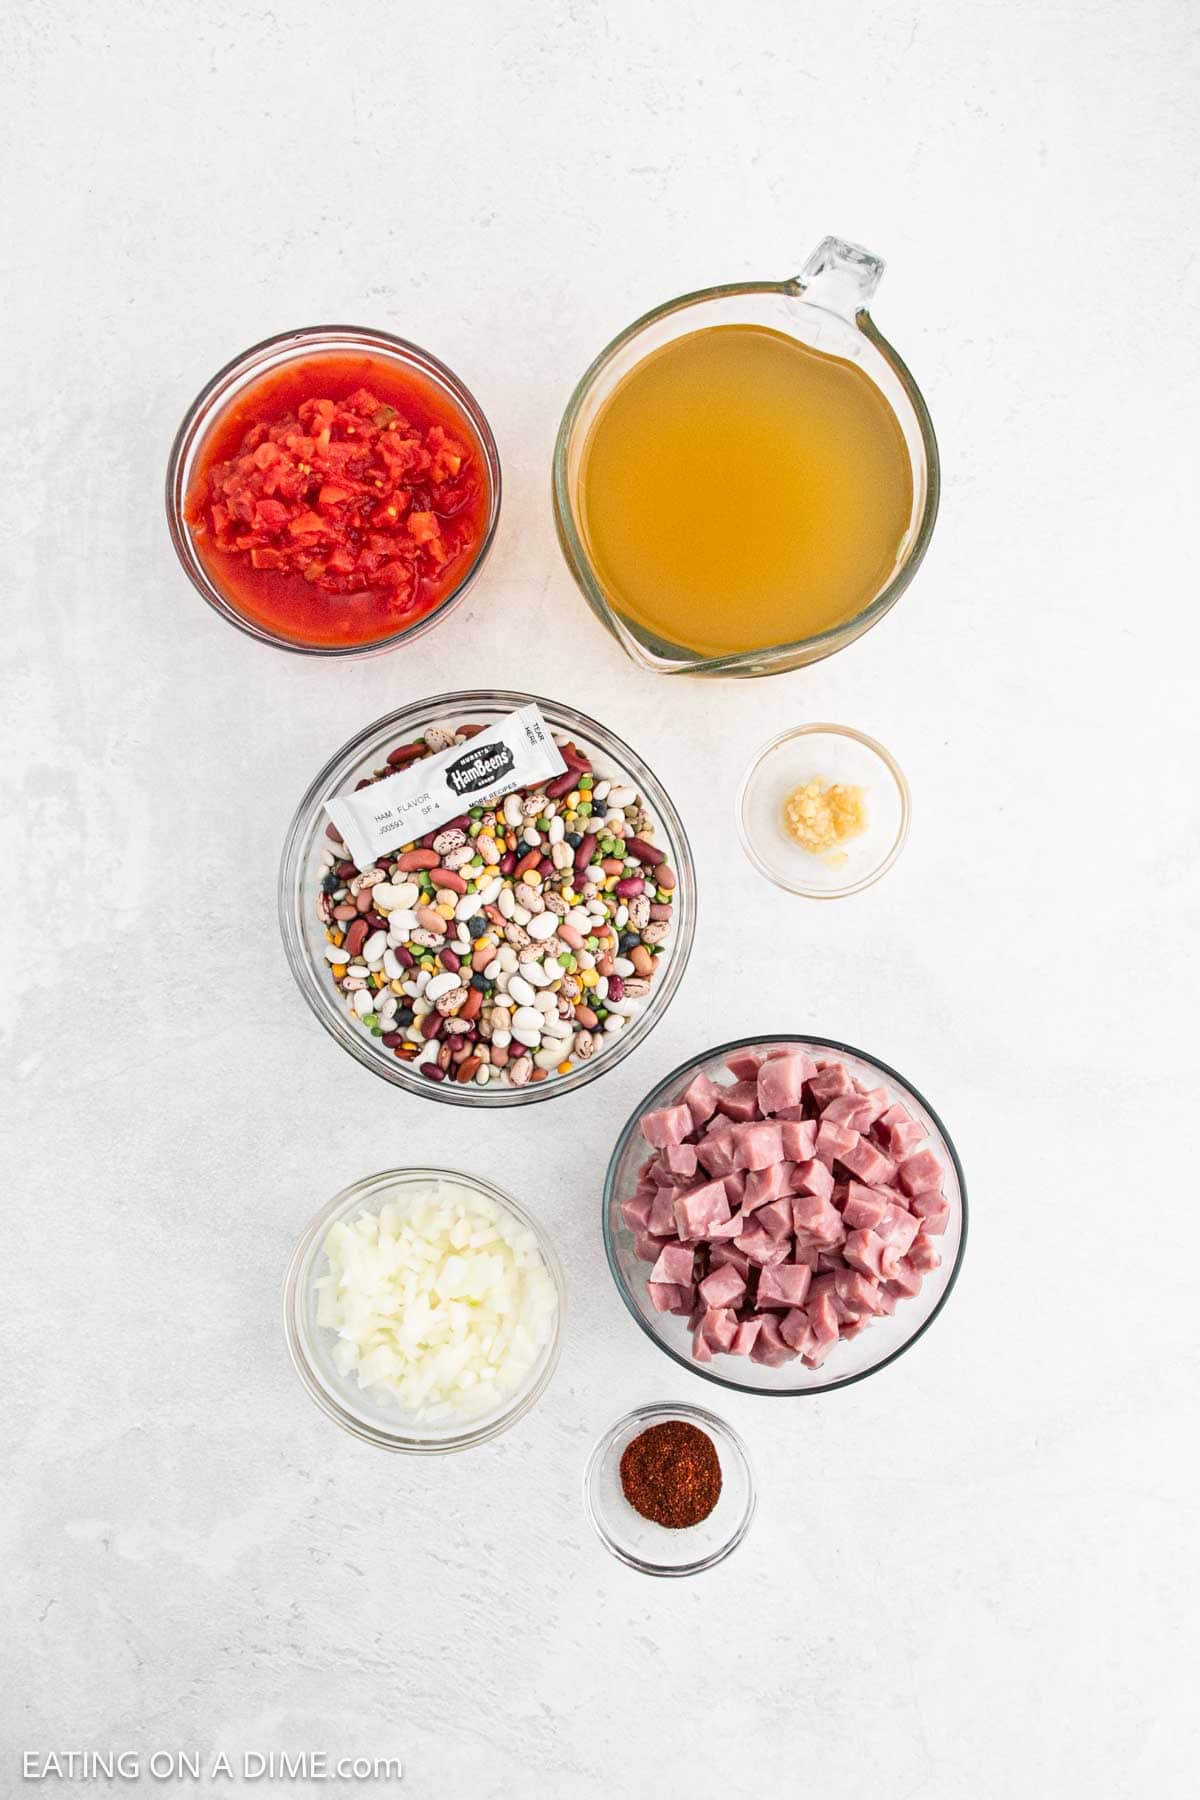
x=823, y=811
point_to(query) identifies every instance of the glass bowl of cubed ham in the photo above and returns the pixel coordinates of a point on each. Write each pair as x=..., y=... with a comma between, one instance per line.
x=785, y=1215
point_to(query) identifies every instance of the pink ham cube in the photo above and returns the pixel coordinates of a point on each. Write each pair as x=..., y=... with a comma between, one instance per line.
x=855, y=1291
x=868, y=1163
x=666, y=1125
x=723, y=1255
x=901, y=1137
x=786, y=1284
x=793, y=1329
x=680, y=1159
x=822, y=1320
x=921, y=1174
x=817, y=1219
x=905, y=1281
x=812, y=1178
x=767, y=1184
x=675, y=1266
x=769, y=1347
x=701, y=1348
x=799, y=1139
x=832, y=1142
x=831, y=1079
x=663, y=1297
x=757, y=1146
x=636, y=1212
x=739, y=1102
x=744, y=1336
x=897, y=1229
x=724, y=1287
x=775, y=1218
x=744, y=1065
x=854, y=1111
x=862, y=1250
x=662, y=1213
x=864, y=1207
x=648, y=1246
x=715, y=1151
x=701, y=1098
x=760, y=1247
x=781, y=1081
x=718, y=1328
x=698, y=1208
x=924, y=1254
x=933, y=1211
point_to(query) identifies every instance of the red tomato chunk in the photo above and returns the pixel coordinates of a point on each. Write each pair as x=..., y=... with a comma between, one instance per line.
x=347, y=494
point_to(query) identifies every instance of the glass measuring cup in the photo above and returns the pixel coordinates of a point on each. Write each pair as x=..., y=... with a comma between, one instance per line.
x=824, y=307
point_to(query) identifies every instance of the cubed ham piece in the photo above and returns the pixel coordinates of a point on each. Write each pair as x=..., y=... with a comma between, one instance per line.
x=636, y=1212
x=698, y=1208
x=701, y=1348
x=724, y=1287
x=744, y=1336
x=739, y=1102
x=786, y=1284
x=924, y=1254
x=878, y=1101
x=666, y=1125
x=680, y=1158
x=769, y=1347
x=850, y=1328
x=701, y=1099
x=864, y=1207
x=781, y=1081
x=822, y=1320
x=715, y=1151
x=830, y=1259
x=718, y=1327
x=805, y=1253
x=793, y=1329
x=897, y=1229
x=933, y=1210
x=744, y=1065
x=905, y=1281
x=775, y=1218
x=862, y=1250
x=662, y=1213
x=819, y=1220
x=723, y=1255
x=799, y=1139
x=920, y=1174
x=854, y=1111
x=830, y=1080
x=856, y=1291
x=812, y=1178
x=760, y=1247
x=832, y=1142
x=663, y=1297
x=732, y=1227
x=757, y=1146
x=869, y=1163
x=675, y=1266
x=900, y=1137
x=648, y=1246
x=767, y=1184
x=735, y=1186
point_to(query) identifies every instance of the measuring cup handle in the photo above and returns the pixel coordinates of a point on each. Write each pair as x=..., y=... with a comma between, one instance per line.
x=841, y=277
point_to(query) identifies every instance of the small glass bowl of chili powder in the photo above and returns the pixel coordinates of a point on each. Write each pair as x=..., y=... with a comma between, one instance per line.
x=333, y=491
x=671, y=1475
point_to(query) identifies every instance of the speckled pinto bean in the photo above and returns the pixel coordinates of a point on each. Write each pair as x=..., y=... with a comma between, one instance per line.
x=487, y=950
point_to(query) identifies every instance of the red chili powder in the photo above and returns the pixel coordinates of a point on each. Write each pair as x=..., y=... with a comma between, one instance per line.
x=671, y=1474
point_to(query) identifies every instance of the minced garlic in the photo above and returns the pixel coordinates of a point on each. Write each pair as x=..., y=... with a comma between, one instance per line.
x=820, y=815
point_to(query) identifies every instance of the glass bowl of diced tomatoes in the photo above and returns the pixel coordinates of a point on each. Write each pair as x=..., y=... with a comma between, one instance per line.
x=333, y=491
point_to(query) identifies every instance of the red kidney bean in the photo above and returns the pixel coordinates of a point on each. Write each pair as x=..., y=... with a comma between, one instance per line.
x=444, y=1054
x=508, y=863
x=604, y=965
x=347, y=910
x=468, y=731
x=471, y=1005
x=481, y=958
x=431, y=920
x=627, y=889
x=662, y=909
x=467, y=1069
x=355, y=938
x=562, y=784
x=365, y=782
x=616, y=988
x=459, y=824
x=449, y=878
x=583, y=851
x=526, y=863
x=417, y=859
x=405, y=957
x=362, y=900
x=642, y=961
x=545, y=867
x=406, y=753
x=497, y=918
x=571, y=753
x=450, y=961
x=585, y=1015
x=346, y=870
x=645, y=853
x=664, y=877
x=431, y=1025
x=392, y=1038
x=431, y=1072
x=333, y=834
x=376, y=921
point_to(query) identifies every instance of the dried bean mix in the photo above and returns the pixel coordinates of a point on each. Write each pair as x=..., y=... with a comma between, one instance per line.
x=511, y=943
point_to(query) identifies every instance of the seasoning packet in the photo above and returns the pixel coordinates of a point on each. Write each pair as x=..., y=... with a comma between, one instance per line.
x=517, y=751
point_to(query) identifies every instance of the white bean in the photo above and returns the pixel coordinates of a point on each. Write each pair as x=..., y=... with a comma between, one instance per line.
x=542, y=926
x=521, y=990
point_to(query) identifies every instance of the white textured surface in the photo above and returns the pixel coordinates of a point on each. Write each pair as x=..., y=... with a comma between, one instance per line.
x=972, y=1577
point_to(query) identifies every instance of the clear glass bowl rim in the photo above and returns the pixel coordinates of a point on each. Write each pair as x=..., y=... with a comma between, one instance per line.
x=893, y=767
x=646, y=1105
x=694, y=1415
x=309, y=340
x=296, y=1337
x=575, y=552
x=290, y=899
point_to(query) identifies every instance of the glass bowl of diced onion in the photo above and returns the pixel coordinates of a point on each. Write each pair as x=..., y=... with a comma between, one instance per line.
x=367, y=1282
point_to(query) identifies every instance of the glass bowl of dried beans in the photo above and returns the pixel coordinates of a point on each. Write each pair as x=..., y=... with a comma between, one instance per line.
x=610, y=985
x=683, y=1505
